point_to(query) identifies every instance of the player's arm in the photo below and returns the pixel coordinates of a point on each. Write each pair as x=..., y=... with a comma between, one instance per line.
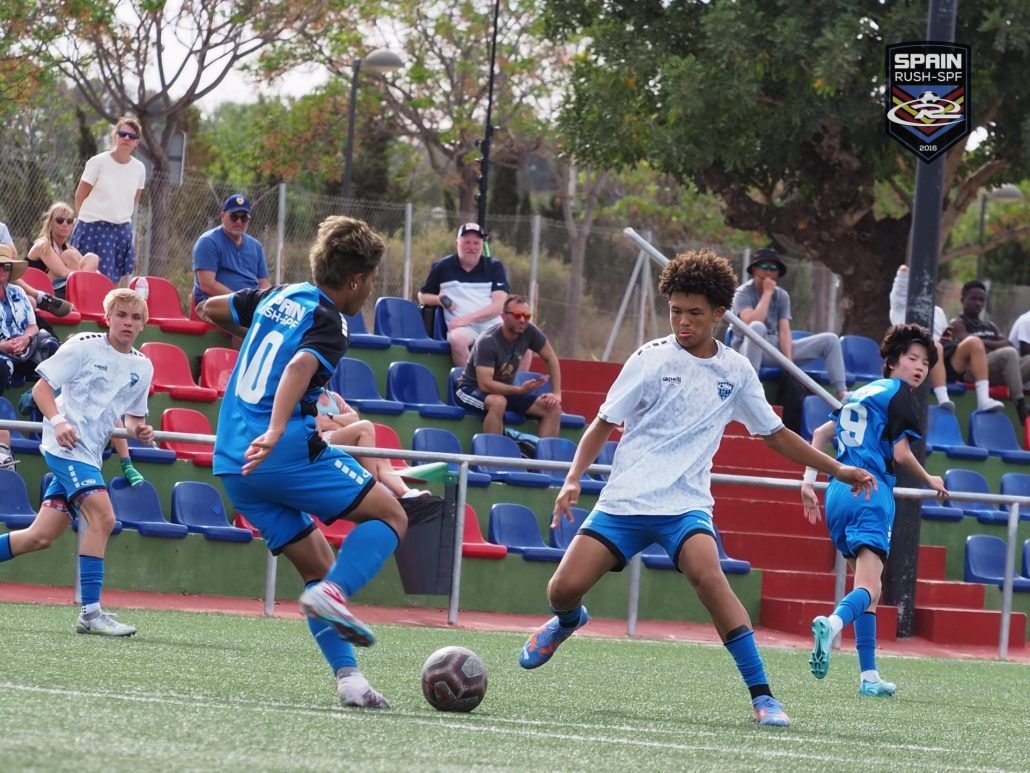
x=790, y=445
x=218, y=311
x=294, y=383
x=137, y=425
x=64, y=432
x=820, y=437
x=903, y=456
x=590, y=446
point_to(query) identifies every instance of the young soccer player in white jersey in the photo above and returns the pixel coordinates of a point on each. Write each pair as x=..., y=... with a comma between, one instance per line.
x=271, y=458
x=872, y=430
x=101, y=378
x=675, y=396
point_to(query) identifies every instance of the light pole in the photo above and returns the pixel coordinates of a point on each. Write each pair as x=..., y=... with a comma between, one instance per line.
x=380, y=61
x=1006, y=192
x=484, y=144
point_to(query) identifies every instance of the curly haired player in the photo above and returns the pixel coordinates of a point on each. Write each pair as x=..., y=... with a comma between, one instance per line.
x=675, y=396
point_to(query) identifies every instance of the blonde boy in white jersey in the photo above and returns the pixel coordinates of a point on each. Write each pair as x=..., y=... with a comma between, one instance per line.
x=101, y=377
x=675, y=396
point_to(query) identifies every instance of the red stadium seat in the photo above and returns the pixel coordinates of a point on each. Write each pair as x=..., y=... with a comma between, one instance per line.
x=164, y=309
x=997, y=392
x=187, y=420
x=336, y=532
x=216, y=366
x=387, y=437
x=473, y=545
x=172, y=373
x=38, y=280
x=196, y=318
x=241, y=521
x=87, y=290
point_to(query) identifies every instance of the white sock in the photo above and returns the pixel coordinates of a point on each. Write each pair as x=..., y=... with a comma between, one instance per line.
x=941, y=394
x=871, y=676
x=981, y=391
x=836, y=624
x=90, y=609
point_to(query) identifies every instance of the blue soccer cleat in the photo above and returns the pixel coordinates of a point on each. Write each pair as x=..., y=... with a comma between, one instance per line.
x=823, y=636
x=880, y=689
x=769, y=712
x=539, y=648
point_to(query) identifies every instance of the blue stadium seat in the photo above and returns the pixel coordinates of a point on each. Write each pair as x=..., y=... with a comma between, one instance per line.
x=1026, y=558
x=559, y=449
x=814, y=413
x=439, y=325
x=359, y=337
x=486, y=444
x=568, y=420
x=15, y=509
x=972, y=482
x=401, y=321
x=198, y=506
x=993, y=430
x=1016, y=484
x=562, y=535
x=862, y=361
x=414, y=385
x=515, y=527
x=138, y=507
x=766, y=372
x=730, y=565
x=943, y=434
x=655, y=557
x=20, y=442
x=140, y=452
x=607, y=456
x=445, y=441
x=985, y=562
x=356, y=383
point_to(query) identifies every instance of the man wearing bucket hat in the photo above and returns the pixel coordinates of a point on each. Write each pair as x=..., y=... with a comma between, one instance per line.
x=765, y=306
x=227, y=258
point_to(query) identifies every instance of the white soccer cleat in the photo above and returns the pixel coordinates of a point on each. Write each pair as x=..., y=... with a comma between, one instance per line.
x=354, y=690
x=326, y=602
x=103, y=624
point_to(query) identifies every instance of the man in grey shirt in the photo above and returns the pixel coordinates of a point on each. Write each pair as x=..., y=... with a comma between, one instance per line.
x=765, y=307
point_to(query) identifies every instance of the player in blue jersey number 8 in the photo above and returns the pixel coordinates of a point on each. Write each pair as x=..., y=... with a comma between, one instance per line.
x=872, y=430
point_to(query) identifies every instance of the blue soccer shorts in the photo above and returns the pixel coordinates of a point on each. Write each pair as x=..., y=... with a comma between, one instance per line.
x=277, y=502
x=627, y=535
x=72, y=482
x=855, y=522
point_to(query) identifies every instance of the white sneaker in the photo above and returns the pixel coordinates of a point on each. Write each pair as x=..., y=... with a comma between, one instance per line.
x=354, y=690
x=415, y=492
x=947, y=405
x=326, y=602
x=990, y=404
x=103, y=625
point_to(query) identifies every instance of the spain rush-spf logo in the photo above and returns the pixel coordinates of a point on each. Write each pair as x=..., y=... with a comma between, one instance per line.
x=928, y=96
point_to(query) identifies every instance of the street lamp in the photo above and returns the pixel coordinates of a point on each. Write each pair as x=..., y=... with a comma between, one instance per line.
x=380, y=61
x=1006, y=192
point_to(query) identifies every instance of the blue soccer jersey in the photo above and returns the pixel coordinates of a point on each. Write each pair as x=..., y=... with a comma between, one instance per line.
x=872, y=420
x=282, y=321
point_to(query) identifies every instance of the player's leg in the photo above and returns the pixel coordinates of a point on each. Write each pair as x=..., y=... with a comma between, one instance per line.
x=48, y=525
x=94, y=508
x=585, y=562
x=868, y=568
x=970, y=357
x=939, y=380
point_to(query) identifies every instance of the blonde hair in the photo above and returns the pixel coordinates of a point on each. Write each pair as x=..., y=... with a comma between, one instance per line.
x=129, y=298
x=344, y=247
x=127, y=120
x=46, y=223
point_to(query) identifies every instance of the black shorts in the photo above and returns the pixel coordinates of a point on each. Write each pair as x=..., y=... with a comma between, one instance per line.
x=949, y=348
x=475, y=400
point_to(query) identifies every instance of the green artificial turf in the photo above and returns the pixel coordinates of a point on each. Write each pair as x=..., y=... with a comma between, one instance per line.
x=219, y=692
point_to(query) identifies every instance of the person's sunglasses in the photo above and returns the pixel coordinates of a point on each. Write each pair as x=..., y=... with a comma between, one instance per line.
x=127, y=135
x=768, y=267
x=63, y=220
x=520, y=315
x=239, y=217
x=7, y=266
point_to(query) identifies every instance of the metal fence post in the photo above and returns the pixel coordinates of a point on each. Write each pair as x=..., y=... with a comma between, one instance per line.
x=534, y=261
x=1006, y=587
x=280, y=234
x=271, y=565
x=633, y=609
x=459, y=534
x=408, y=217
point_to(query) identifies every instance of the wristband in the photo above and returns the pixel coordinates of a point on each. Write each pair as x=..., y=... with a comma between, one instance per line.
x=57, y=419
x=810, y=475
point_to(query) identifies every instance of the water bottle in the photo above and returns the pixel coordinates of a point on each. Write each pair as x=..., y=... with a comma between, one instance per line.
x=142, y=287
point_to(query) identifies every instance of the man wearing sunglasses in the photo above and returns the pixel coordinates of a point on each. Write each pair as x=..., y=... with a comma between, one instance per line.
x=487, y=385
x=227, y=258
x=765, y=306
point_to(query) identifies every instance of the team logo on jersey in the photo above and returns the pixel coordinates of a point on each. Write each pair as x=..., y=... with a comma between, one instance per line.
x=672, y=380
x=725, y=389
x=98, y=366
x=133, y=379
x=927, y=96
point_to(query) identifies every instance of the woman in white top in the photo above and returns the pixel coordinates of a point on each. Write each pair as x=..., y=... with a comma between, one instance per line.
x=52, y=254
x=108, y=192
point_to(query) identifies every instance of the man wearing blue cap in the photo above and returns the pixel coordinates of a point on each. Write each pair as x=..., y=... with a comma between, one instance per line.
x=227, y=258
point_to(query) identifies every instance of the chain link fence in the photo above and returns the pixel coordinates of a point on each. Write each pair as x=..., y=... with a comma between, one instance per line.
x=534, y=250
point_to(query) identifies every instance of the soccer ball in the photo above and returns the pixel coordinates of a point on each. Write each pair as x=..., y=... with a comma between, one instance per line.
x=454, y=679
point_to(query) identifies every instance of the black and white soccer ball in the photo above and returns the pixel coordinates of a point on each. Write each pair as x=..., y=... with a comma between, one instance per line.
x=454, y=679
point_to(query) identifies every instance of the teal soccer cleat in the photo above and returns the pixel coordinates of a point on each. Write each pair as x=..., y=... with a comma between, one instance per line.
x=879, y=689
x=542, y=644
x=820, y=660
x=769, y=712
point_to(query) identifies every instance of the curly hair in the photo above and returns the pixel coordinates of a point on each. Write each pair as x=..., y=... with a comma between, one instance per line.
x=343, y=248
x=897, y=340
x=700, y=272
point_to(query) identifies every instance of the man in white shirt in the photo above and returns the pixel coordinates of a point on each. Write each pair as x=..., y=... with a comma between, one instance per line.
x=675, y=396
x=100, y=377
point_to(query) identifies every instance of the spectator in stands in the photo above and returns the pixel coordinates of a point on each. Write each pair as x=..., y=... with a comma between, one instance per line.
x=339, y=424
x=52, y=254
x=765, y=306
x=7, y=460
x=22, y=345
x=108, y=192
x=56, y=306
x=487, y=385
x=1019, y=336
x=1004, y=365
x=227, y=258
x=954, y=358
x=470, y=287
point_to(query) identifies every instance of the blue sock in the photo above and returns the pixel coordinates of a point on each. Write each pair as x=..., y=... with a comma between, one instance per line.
x=91, y=578
x=853, y=605
x=361, y=556
x=5, y=548
x=569, y=619
x=865, y=641
x=741, y=644
x=339, y=653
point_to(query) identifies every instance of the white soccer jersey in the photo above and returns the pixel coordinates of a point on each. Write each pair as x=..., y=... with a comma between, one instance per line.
x=98, y=385
x=675, y=407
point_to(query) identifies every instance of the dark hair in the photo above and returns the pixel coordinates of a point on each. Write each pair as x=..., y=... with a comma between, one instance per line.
x=898, y=339
x=512, y=300
x=972, y=284
x=344, y=248
x=700, y=272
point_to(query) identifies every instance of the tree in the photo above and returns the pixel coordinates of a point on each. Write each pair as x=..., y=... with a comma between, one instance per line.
x=777, y=107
